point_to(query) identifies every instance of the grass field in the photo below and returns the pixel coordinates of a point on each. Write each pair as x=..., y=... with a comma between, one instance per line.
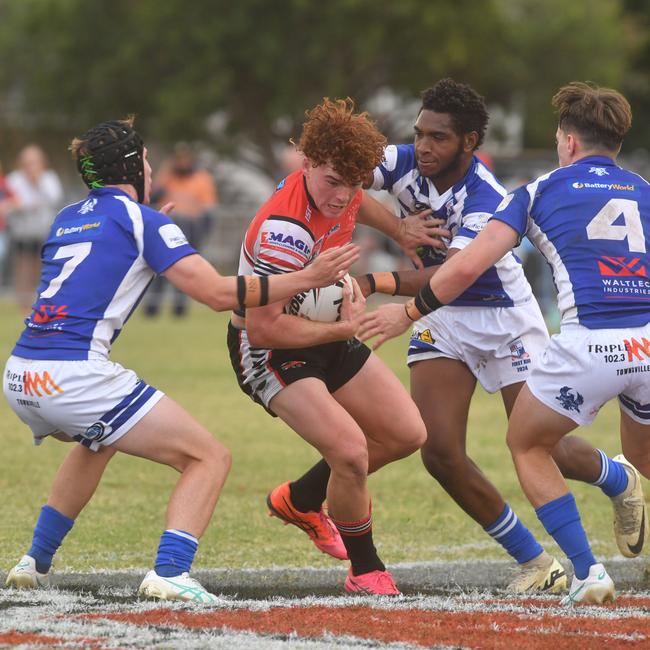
x=414, y=518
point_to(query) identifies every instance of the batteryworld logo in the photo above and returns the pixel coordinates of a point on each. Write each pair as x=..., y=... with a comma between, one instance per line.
x=621, y=267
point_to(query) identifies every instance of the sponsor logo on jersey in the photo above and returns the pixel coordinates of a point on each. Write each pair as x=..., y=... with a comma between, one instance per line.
x=77, y=229
x=48, y=313
x=285, y=241
x=172, y=235
x=36, y=382
x=604, y=187
x=88, y=206
x=621, y=266
x=599, y=171
x=638, y=287
x=637, y=350
x=570, y=399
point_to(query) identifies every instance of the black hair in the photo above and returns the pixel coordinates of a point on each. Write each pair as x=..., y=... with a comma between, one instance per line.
x=462, y=102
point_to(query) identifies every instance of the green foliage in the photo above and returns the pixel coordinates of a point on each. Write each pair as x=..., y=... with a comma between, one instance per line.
x=414, y=518
x=260, y=64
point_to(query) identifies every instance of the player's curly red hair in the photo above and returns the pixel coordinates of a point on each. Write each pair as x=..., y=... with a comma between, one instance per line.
x=350, y=142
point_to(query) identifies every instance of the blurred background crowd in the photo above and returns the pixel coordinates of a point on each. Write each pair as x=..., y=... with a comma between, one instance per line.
x=220, y=89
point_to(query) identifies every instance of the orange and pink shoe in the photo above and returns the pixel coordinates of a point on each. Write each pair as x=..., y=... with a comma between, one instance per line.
x=317, y=525
x=375, y=583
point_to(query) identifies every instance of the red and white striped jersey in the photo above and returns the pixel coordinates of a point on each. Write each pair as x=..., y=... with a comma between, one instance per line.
x=288, y=231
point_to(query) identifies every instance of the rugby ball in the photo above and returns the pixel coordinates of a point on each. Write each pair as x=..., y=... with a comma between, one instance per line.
x=322, y=304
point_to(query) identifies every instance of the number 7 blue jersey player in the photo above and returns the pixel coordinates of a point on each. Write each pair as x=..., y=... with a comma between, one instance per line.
x=591, y=220
x=98, y=260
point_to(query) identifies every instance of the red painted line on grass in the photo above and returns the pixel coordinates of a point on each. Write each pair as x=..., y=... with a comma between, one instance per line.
x=491, y=630
x=13, y=637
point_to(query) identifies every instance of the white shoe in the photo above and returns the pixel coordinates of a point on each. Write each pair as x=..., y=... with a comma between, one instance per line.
x=542, y=573
x=630, y=513
x=597, y=588
x=180, y=587
x=25, y=576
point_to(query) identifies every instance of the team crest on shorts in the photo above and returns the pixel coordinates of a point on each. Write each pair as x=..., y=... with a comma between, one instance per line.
x=96, y=431
x=424, y=335
x=518, y=355
x=570, y=399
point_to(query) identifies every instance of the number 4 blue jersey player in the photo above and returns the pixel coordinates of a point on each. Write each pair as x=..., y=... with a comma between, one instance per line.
x=591, y=220
x=98, y=260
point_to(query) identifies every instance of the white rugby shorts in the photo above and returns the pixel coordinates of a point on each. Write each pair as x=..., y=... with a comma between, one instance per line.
x=94, y=402
x=582, y=369
x=498, y=344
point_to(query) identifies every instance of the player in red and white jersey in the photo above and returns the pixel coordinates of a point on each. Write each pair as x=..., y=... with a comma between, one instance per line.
x=289, y=231
x=321, y=380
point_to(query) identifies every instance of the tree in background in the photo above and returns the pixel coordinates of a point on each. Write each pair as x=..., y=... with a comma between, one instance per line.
x=637, y=80
x=241, y=74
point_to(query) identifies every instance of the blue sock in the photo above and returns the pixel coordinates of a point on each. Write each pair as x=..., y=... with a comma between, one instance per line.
x=613, y=477
x=561, y=520
x=176, y=553
x=514, y=536
x=49, y=532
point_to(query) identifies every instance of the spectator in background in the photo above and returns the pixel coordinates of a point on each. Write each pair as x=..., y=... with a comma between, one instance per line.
x=194, y=194
x=37, y=195
x=291, y=159
x=6, y=203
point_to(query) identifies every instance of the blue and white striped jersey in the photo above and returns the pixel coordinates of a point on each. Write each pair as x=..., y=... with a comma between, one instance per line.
x=591, y=221
x=466, y=207
x=99, y=258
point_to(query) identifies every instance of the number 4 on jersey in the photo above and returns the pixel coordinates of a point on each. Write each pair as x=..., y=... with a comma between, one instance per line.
x=601, y=226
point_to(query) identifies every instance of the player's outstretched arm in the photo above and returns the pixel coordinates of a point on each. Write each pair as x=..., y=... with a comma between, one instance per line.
x=410, y=233
x=395, y=283
x=196, y=277
x=454, y=276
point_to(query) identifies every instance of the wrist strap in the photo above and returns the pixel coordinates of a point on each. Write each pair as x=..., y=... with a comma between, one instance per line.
x=264, y=290
x=252, y=291
x=371, y=281
x=398, y=283
x=384, y=282
x=241, y=291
